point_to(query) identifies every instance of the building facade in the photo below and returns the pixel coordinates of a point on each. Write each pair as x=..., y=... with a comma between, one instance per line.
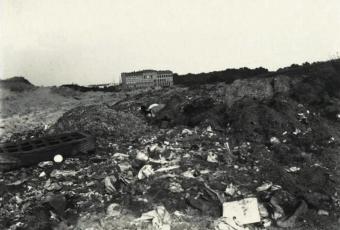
x=146, y=79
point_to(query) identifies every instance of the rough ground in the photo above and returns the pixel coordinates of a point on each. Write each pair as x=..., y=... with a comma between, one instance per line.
x=273, y=139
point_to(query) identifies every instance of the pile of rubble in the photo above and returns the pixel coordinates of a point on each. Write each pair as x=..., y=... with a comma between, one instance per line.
x=103, y=122
x=268, y=163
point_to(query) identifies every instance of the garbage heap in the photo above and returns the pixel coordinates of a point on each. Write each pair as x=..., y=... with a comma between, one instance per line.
x=103, y=122
x=264, y=163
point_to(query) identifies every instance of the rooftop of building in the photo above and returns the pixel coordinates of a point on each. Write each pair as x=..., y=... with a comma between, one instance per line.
x=147, y=71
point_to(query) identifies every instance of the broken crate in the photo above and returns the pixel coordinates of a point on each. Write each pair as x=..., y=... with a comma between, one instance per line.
x=33, y=151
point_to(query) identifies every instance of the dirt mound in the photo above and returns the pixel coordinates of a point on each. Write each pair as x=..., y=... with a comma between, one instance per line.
x=193, y=111
x=102, y=122
x=260, y=121
x=18, y=84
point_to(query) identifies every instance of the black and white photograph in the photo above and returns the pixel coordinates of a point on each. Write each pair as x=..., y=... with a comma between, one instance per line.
x=169, y=115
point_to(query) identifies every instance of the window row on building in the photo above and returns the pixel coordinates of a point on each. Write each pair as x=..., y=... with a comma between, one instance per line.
x=147, y=78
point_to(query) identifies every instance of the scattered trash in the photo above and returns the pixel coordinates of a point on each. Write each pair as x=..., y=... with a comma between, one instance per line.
x=278, y=211
x=275, y=187
x=165, y=169
x=120, y=156
x=58, y=158
x=175, y=187
x=274, y=140
x=52, y=186
x=297, y=131
x=154, y=109
x=108, y=181
x=148, y=166
x=160, y=161
x=187, y=132
x=142, y=156
x=157, y=148
x=322, y=212
x=212, y=157
x=293, y=169
x=17, y=182
x=159, y=218
x=113, y=210
x=45, y=164
x=230, y=190
x=189, y=174
x=205, y=171
x=62, y=173
x=145, y=172
x=124, y=166
x=264, y=187
x=243, y=212
x=263, y=210
x=266, y=222
x=224, y=223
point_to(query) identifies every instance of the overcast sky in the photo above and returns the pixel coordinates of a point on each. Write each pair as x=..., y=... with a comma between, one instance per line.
x=53, y=42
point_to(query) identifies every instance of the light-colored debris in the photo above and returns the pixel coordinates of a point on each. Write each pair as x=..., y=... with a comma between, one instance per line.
x=274, y=140
x=263, y=210
x=189, y=174
x=297, y=131
x=266, y=222
x=45, y=163
x=159, y=218
x=187, y=132
x=58, y=158
x=108, y=183
x=224, y=223
x=120, y=156
x=51, y=186
x=230, y=190
x=165, y=169
x=293, y=169
x=175, y=187
x=212, y=157
x=265, y=186
x=113, y=210
x=205, y=171
x=157, y=148
x=142, y=156
x=322, y=212
x=278, y=210
x=124, y=166
x=62, y=173
x=145, y=172
x=244, y=211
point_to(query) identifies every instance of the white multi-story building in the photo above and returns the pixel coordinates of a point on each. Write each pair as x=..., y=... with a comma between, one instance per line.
x=147, y=78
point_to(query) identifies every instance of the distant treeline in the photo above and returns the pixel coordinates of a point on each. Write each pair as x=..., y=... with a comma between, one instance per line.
x=230, y=75
x=227, y=76
x=87, y=89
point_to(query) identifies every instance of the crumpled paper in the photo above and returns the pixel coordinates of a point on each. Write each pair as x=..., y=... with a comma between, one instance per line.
x=160, y=218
